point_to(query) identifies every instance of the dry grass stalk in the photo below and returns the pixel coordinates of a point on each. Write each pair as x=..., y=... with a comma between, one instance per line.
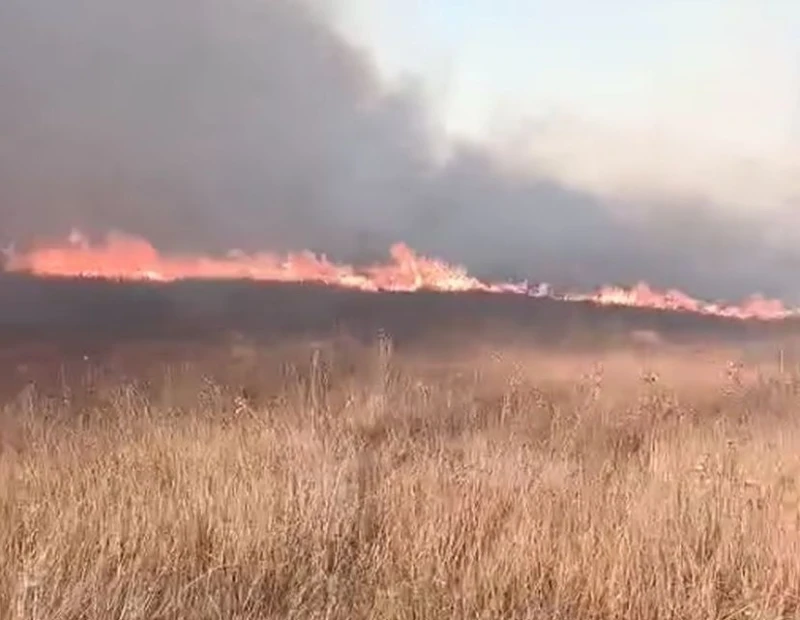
x=373, y=485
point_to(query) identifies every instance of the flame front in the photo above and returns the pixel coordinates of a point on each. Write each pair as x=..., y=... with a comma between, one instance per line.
x=125, y=257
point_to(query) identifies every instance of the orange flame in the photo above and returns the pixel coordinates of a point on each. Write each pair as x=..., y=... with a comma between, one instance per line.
x=124, y=257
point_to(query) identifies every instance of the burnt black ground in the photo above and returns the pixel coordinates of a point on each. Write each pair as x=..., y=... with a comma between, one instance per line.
x=55, y=332
x=87, y=310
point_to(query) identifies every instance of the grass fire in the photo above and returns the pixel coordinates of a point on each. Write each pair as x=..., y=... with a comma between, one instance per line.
x=370, y=309
x=124, y=257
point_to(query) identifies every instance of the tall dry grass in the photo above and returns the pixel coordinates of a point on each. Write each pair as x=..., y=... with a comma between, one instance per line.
x=369, y=484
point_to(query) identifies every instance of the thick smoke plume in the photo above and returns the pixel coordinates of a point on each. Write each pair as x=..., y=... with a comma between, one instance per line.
x=207, y=125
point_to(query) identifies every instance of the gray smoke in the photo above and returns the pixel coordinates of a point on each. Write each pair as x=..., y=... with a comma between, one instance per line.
x=217, y=124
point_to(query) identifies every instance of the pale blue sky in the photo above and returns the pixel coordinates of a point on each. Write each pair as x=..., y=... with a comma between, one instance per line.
x=689, y=91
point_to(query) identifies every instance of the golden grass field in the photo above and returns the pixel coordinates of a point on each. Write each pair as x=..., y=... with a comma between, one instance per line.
x=347, y=481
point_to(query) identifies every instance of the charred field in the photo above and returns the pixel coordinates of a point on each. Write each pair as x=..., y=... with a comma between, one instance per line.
x=241, y=450
x=93, y=310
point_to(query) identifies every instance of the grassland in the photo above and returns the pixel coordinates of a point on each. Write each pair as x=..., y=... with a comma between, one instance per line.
x=348, y=481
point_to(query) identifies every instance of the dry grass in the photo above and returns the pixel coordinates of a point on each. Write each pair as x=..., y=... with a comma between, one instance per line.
x=367, y=484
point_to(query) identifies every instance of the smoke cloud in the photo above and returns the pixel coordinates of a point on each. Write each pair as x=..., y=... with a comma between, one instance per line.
x=209, y=125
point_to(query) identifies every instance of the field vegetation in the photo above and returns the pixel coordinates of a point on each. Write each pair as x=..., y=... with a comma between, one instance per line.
x=341, y=480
